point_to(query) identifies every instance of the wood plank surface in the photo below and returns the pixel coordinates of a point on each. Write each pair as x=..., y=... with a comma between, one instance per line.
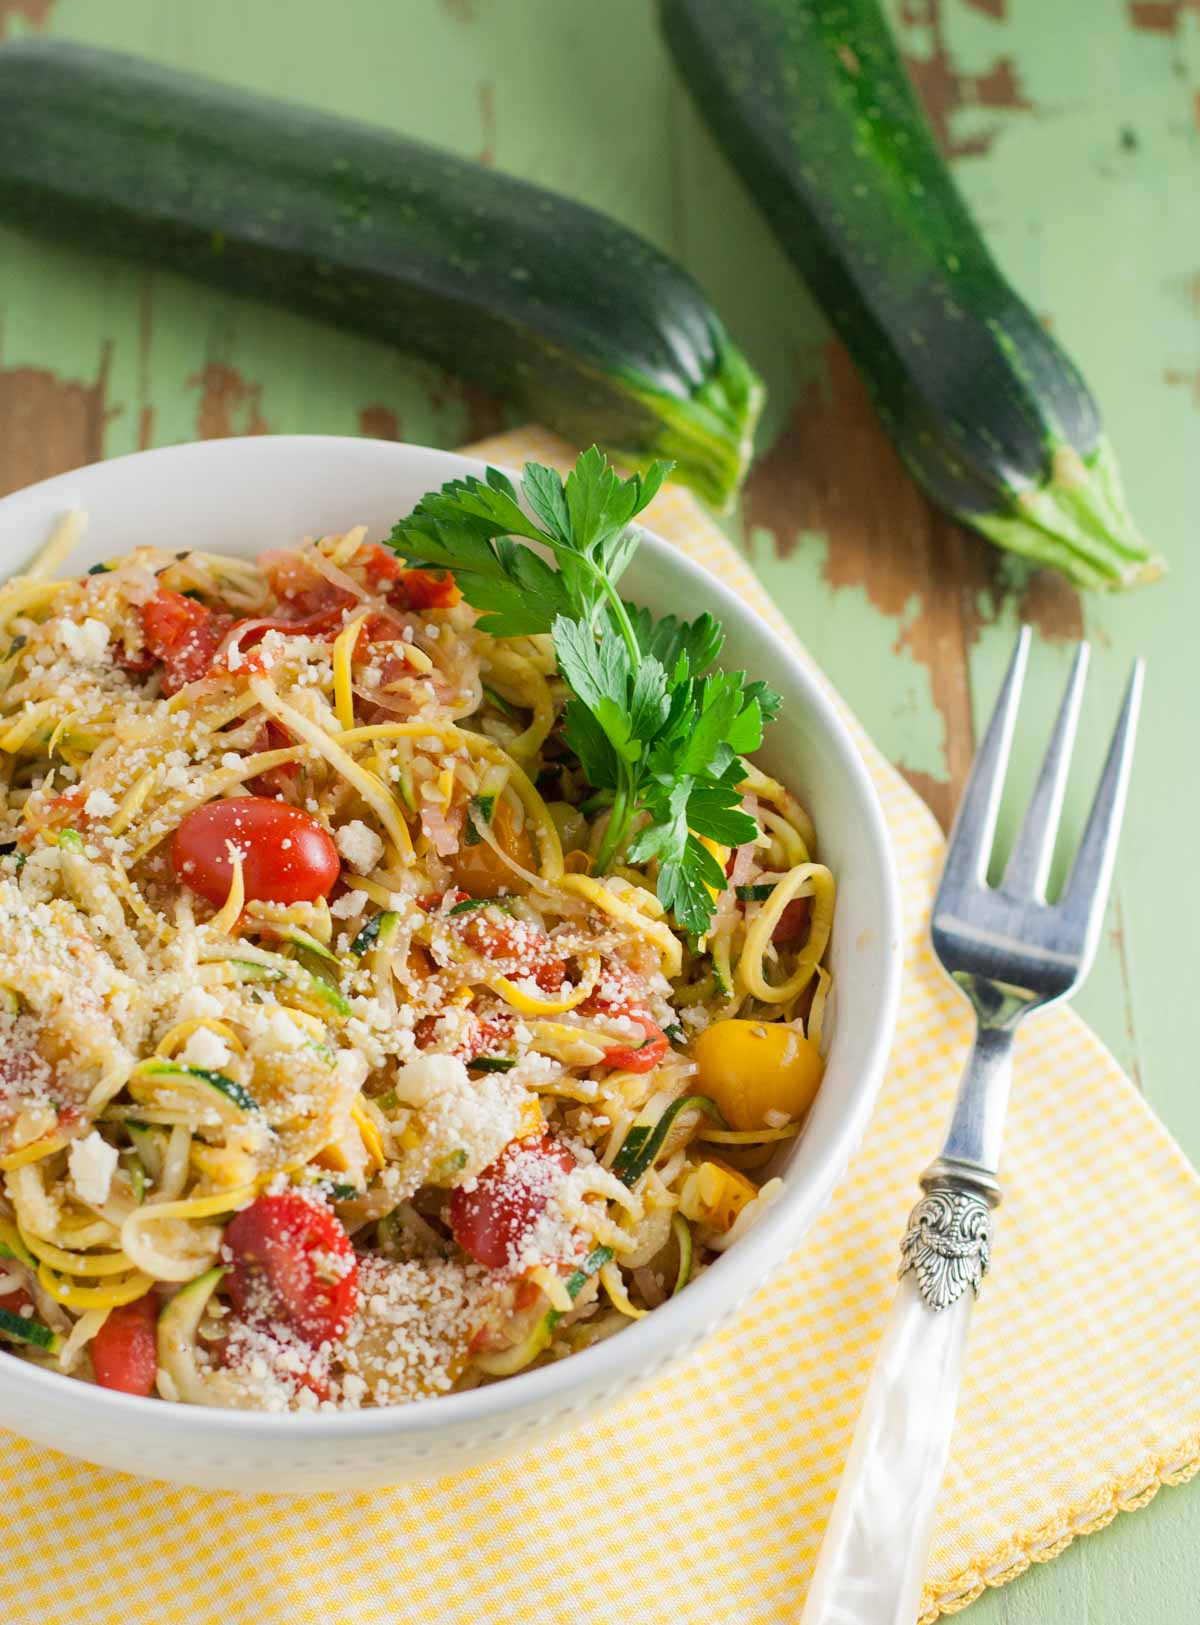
x=1074, y=130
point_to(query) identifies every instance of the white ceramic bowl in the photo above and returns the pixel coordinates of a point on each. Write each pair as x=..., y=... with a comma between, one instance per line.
x=240, y=496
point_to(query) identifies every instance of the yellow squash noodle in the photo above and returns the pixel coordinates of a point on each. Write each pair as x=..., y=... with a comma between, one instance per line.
x=806, y=879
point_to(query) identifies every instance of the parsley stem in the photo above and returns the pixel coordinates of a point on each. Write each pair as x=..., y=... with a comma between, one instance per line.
x=621, y=614
x=617, y=827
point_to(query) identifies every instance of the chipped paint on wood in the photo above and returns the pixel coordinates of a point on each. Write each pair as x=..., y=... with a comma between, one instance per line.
x=483, y=414
x=229, y=404
x=1185, y=380
x=837, y=619
x=379, y=422
x=946, y=90
x=50, y=424
x=1159, y=16
x=36, y=13
x=834, y=472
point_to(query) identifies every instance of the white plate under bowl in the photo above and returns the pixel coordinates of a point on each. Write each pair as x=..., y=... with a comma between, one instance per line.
x=240, y=496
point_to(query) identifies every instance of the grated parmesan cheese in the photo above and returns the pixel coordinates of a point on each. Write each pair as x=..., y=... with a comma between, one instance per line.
x=92, y=1163
x=359, y=845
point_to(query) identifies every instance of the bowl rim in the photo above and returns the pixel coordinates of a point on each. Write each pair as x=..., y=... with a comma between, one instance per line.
x=640, y=1348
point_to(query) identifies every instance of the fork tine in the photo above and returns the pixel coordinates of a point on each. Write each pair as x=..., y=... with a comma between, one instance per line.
x=1086, y=893
x=975, y=825
x=1029, y=864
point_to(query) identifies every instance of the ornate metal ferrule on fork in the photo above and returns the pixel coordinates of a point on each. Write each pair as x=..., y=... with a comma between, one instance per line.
x=1011, y=952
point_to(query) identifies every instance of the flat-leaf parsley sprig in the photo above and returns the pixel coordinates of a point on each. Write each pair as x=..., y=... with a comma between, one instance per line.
x=657, y=733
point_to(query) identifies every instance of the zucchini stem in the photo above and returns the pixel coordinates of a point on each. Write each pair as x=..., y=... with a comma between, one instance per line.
x=1077, y=521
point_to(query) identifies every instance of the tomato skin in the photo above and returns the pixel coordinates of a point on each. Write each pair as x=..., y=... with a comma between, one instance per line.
x=487, y=1035
x=405, y=588
x=14, y=1302
x=528, y=950
x=424, y=589
x=621, y=1001
x=490, y=1221
x=379, y=564
x=125, y=1349
x=301, y=588
x=281, y=1247
x=383, y=629
x=647, y=1055
x=793, y=922
x=297, y=872
x=276, y=781
x=183, y=634
x=480, y=872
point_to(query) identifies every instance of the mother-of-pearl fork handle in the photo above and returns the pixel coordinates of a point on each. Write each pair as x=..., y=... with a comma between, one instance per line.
x=872, y=1563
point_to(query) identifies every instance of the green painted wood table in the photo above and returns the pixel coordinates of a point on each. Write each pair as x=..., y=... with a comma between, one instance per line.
x=1074, y=129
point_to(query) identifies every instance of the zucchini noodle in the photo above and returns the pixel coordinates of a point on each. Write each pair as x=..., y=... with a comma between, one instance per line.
x=806, y=879
x=299, y=990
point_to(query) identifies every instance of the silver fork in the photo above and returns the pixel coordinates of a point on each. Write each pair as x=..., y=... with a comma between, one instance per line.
x=1010, y=952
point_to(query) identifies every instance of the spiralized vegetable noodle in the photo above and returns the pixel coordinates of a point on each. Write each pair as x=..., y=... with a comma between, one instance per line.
x=332, y=1072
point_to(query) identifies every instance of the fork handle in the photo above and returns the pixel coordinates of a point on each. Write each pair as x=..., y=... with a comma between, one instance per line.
x=872, y=1562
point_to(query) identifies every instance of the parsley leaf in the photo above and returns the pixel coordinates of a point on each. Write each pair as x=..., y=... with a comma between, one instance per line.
x=669, y=638
x=658, y=733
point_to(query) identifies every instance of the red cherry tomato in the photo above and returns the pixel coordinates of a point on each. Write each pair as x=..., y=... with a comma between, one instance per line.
x=422, y=589
x=14, y=1302
x=793, y=922
x=292, y=1261
x=648, y=1053
x=379, y=564
x=406, y=589
x=487, y=1035
x=491, y=1221
x=276, y=781
x=183, y=634
x=125, y=1349
x=381, y=629
x=516, y=943
x=616, y=998
x=286, y=856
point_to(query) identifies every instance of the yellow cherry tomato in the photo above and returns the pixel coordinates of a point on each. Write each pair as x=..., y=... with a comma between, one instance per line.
x=713, y=1194
x=751, y=1068
x=478, y=870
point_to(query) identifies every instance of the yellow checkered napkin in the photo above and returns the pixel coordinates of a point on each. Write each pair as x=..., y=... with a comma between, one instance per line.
x=704, y=1500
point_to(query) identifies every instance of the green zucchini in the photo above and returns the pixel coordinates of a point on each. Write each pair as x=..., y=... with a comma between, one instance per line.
x=469, y=904
x=509, y=1361
x=319, y=1179
x=812, y=105
x=498, y=700
x=148, y=1147
x=306, y=944
x=531, y=296
x=479, y=808
x=24, y=1329
x=177, y=1072
x=756, y=893
x=645, y=1140
x=379, y=932
x=11, y=1245
x=492, y=1063
x=311, y=991
x=178, y=1325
